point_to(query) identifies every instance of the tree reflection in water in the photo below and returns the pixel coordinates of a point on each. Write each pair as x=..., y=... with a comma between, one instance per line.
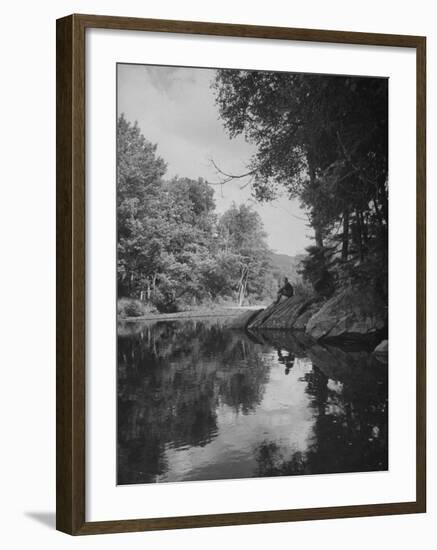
x=172, y=376
x=198, y=401
x=351, y=414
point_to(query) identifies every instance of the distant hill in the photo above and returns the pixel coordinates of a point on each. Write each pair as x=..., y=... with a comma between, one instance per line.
x=287, y=266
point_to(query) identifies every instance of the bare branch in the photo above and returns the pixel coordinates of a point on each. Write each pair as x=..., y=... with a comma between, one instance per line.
x=229, y=177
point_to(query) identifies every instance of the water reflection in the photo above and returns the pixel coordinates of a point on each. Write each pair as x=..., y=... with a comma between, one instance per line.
x=199, y=401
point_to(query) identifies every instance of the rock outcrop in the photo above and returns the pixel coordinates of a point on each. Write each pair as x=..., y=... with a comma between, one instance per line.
x=305, y=316
x=352, y=313
x=280, y=316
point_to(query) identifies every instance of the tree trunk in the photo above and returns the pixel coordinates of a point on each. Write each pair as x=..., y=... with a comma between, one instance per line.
x=359, y=235
x=242, y=285
x=319, y=236
x=345, y=243
x=318, y=230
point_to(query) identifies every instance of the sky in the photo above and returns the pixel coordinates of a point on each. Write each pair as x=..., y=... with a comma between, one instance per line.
x=174, y=108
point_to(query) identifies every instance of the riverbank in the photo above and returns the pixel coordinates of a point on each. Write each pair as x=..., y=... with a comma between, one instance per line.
x=351, y=314
x=200, y=312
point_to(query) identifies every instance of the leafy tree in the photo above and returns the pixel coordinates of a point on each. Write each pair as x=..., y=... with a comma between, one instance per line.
x=242, y=235
x=139, y=181
x=173, y=250
x=324, y=139
x=316, y=270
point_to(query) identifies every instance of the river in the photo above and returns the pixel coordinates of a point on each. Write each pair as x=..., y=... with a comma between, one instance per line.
x=198, y=401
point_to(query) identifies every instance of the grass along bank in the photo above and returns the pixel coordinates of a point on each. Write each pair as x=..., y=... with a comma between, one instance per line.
x=131, y=310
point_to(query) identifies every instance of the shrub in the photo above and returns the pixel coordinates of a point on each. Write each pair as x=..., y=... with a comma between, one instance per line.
x=303, y=289
x=131, y=307
x=164, y=300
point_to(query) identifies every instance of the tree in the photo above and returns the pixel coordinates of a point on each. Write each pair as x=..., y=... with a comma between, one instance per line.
x=324, y=139
x=139, y=181
x=173, y=251
x=189, y=210
x=242, y=235
x=164, y=227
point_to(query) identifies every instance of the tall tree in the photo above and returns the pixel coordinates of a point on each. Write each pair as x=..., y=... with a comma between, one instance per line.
x=173, y=250
x=242, y=234
x=139, y=224
x=324, y=138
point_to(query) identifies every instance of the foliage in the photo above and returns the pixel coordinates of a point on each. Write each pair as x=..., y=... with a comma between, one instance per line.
x=130, y=307
x=174, y=251
x=316, y=270
x=303, y=289
x=139, y=181
x=242, y=237
x=324, y=139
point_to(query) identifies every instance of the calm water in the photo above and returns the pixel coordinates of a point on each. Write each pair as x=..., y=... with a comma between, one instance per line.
x=198, y=401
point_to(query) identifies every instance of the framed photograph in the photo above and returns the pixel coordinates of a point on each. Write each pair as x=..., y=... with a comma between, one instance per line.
x=240, y=274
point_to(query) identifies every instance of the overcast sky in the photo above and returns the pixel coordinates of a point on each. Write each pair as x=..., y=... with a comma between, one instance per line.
x=175, y=109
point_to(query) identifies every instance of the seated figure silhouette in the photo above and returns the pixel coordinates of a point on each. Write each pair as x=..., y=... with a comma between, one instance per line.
x=286, y=290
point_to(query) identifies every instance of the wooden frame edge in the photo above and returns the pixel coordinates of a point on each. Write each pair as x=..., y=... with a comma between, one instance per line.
x=246, y=518
x=70, y=274
x=63, y=275
x=421, y=461
x=245, y=31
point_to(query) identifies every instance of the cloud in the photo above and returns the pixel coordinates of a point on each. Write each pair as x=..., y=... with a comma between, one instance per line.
x=175, y=108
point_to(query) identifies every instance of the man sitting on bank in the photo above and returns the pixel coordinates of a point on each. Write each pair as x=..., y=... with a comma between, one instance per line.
x=286, y=290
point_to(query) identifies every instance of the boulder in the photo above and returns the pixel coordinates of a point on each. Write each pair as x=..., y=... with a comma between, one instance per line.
x=352, y=313
x=305, y=316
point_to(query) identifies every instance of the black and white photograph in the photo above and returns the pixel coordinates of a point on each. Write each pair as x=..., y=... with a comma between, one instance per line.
x=219, y=309
x=252, y=274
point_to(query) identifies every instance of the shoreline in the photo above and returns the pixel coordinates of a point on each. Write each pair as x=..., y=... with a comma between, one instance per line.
x=229, y=311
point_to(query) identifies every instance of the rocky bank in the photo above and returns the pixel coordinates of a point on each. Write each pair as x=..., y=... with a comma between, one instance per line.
x=351, y=314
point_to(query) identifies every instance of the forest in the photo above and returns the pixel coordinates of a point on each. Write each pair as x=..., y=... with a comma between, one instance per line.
x=322, y=139
x=174, y=250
